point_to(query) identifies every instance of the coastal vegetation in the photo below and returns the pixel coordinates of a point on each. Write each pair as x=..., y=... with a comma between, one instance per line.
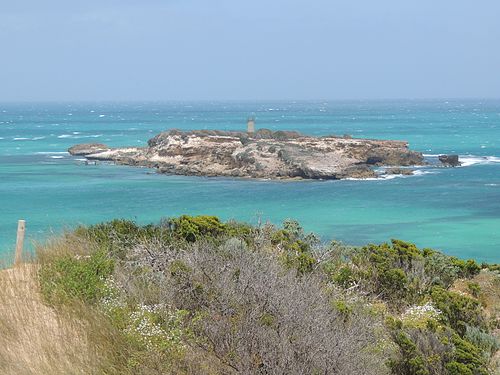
x=195, y=295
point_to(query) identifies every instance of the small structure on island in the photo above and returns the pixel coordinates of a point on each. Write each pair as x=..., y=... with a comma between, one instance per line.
x=251, y=125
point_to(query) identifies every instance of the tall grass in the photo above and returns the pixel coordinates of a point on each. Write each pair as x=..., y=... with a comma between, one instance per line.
x=38, y=338
x=34, y=339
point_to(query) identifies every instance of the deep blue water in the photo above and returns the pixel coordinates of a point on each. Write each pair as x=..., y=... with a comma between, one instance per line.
x=455, y=210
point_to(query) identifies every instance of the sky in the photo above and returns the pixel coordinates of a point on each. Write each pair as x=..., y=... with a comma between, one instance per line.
x=124, y=50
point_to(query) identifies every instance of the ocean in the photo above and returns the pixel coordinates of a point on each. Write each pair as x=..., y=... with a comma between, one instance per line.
x=455, y=210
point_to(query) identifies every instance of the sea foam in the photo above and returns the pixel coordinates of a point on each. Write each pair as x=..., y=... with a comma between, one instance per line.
x=468, y=160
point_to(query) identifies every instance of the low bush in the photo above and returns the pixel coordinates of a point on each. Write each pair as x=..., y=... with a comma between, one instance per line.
x=69, y=277
x=459, y=311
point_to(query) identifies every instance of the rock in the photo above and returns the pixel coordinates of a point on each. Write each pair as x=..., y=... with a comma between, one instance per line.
x=87, y=149
x=393, y=156
x=402, y=171
x=264, y=154
x=374, y=160
x=361, y=171
x=450, y=160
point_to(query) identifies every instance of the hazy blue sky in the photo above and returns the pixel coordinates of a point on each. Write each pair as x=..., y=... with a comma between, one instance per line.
x=255, y=49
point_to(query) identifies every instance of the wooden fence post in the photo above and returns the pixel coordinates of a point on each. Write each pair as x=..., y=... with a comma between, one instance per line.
x=21, y=229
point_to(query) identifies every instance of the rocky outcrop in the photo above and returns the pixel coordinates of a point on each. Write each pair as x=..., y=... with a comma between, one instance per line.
x=263, y=154
x=399, y=171
x=88, y=149
x=450, y=160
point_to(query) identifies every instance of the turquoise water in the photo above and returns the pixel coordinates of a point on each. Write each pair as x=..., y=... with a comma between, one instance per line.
x=454, y=210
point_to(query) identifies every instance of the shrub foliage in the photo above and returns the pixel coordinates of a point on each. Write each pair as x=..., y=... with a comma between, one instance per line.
x=196, y=295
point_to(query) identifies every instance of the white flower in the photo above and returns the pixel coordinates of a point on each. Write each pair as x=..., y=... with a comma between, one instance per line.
x=423, y=311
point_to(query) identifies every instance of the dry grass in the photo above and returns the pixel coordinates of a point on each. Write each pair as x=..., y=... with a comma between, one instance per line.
x=489, y=283
x=70, y=338
x=489, y=296
x=34, y=338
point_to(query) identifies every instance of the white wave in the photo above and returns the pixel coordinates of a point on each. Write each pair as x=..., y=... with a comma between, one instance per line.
x=102, y=115
x=56, y=157
x=431, y=155
x=2, y=138
x=27, y=139
x=379, y=178
x=369, y=179
x=87, y=136
x=76, y=136
x=491, y=184
x=392, y=176
x=383, y=177
x=422, y=173
x=468, y=160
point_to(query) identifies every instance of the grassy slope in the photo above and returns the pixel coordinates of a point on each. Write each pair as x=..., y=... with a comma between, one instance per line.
x=197, y=296
x=34, y=338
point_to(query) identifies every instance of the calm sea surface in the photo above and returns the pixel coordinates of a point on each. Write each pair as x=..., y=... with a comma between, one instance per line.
x=456, y=210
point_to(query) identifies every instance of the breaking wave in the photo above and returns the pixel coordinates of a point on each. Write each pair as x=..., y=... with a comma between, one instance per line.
x=468, y=160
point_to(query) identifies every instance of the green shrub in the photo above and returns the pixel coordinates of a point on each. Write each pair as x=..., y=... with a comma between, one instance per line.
x=344, y=308
x=393, y=282
x=399, y=271
x=69, y=277
x=294, y=228
x=214, y=292
x=410, y=361
x=468, y=268
x=468, y=355
x=344, y=277
x=239, y=230
x=441, y=268
x=458, y=310
x=389, y=270
x=474, y=289
x=455, y=368
x=193, y=228
x=295, y=246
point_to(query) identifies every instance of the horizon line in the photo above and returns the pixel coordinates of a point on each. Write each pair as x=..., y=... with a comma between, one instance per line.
x=78, y=101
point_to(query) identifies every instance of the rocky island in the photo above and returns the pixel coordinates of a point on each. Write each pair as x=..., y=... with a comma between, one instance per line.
x=262, y=154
